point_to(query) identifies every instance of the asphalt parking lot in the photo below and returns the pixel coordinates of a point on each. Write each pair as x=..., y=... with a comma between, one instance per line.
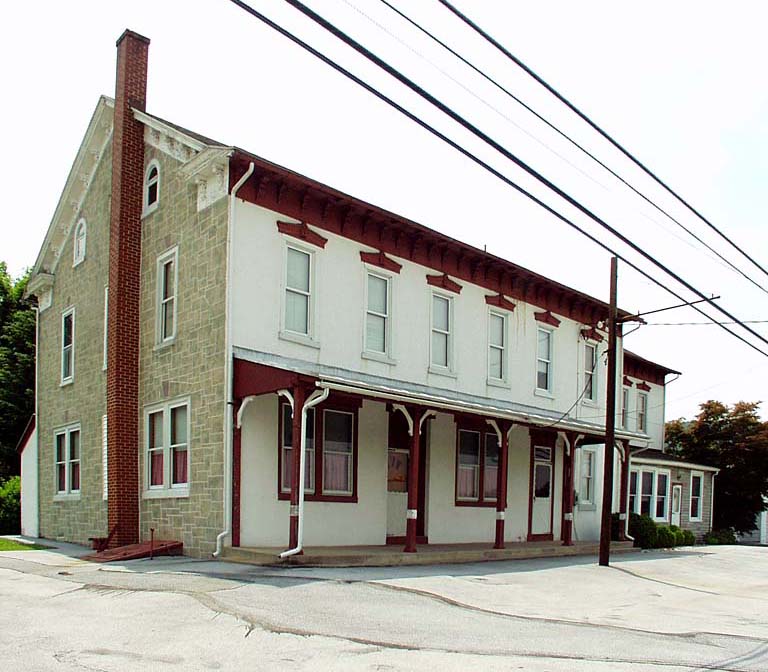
x=687, y=609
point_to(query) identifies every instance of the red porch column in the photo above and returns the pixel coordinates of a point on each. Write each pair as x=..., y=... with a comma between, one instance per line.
x=413, y=480
x=624, y=490
x=501, y=483
x=568, y=489
x=236, y=471
x=297, y=445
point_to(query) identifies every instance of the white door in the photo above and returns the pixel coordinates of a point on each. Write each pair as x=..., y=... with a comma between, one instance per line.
x=541, y=504
x=677, y=498
x=397, y=491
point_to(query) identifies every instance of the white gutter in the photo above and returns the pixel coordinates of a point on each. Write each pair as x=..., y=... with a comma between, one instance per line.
x=228, y=446
x=676, y=463
x=317, y=397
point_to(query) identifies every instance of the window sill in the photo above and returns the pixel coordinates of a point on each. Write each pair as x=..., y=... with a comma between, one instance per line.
x=592, y=403
x=339, y=499
x=66, y=497
x=695, y=520
x=148, y=211
x=441, y=371
x=301, y=339
x=486, y=504
x=75, y=264
x=378, y=357
x=166, y=493
x=543, y=393
x=587, y=507
x=164, y=344
x=495, y=382
x=64, y=383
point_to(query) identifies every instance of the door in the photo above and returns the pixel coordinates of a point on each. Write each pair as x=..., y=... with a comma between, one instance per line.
x=541, y=495
x=677, y=498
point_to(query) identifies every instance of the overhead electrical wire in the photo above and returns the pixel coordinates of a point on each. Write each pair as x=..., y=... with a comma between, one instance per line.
x=373, y=58
x=564, y=135
x=595, y=127
x=420, y=122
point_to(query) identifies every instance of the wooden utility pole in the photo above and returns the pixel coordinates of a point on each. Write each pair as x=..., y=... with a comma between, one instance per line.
x=610, y=422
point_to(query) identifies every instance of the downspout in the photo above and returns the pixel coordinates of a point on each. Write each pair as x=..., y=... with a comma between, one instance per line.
x=228, y=446
x=712, y=503
x=37, y=415
x=315, y=398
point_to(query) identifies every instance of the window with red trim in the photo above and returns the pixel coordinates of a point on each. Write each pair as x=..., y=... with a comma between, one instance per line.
x=477, y=466
x=330, y=449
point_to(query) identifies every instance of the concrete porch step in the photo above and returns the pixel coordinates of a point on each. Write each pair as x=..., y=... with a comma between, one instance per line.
x=387, y=556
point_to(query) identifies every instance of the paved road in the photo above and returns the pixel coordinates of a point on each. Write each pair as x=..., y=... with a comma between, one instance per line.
x=684, y=610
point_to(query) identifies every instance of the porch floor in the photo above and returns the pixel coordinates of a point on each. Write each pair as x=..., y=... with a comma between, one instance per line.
x=427, y=554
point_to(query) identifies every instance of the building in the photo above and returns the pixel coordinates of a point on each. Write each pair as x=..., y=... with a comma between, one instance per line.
x=198, y=303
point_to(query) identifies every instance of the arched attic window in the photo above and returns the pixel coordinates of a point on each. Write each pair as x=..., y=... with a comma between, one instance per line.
x=151, y=186
x=79, y=244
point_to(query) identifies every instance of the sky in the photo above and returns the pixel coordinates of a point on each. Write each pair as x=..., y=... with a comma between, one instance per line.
x=681, y=85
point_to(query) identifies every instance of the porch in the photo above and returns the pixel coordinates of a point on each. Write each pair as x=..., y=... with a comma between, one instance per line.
x=428, y=554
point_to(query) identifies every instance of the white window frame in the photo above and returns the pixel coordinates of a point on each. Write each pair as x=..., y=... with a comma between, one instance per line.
x=68, y=351
x=150, y=207
x=655, y=472
x=642, y=415
x=171, y=255
x=700, y=517
x=368, y=352
x=587, y=502
x=168, y=488
x=493, y=380
x=624, y=407
x=78, y=252
x=106, y=325
x=594, y=373
x=546, y=391
x=449, y=367
x=310, y=338
x=68, y=492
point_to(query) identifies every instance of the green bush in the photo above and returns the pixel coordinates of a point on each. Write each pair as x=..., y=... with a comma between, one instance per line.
x=10, y=506
x=617, y=527
x=690, y=538
x=644, y=530
x=719, y=537
x=665, y=538
x=679, y=535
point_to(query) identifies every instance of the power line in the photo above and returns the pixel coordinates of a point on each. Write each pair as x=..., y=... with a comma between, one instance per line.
x=349, y=41
x=564, y=135
x=591, y=123
x=696, y=324
x=420, y=122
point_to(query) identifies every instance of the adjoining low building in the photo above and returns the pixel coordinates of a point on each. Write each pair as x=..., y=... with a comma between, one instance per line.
x=212, y=326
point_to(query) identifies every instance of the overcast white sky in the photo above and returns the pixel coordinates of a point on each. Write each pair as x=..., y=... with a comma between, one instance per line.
x=682, y=85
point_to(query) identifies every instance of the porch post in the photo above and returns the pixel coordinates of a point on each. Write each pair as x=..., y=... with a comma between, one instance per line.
x=501, y=483
x=624, y=491
x=297, y=445
x=413, y=481
x=569, y=461
x=236, y=472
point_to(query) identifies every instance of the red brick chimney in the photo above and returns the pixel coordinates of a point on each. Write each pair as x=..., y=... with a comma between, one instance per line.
x=124, y=286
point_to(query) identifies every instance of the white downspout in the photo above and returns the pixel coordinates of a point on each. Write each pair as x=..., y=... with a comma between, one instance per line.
x=712, y=503
x=315, y=398
x=228, y=369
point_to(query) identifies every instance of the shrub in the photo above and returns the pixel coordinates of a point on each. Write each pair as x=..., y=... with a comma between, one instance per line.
x=679, y=535
x=690, y=537
x=665, y=538
x=617, y=527
x=644, y=530
x=10, y=506
x=718, y=537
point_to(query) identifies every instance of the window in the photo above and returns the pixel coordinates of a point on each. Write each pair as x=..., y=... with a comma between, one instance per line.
x=68, y=346
x=151, y=187
x=625, y=408
x=79, y=245
x=477, y=467
x=106, y=323
x=377, y=315
x=497, y=337
x=442, y=345
x=167, y=281
x=544, y=360
x=330, y=453
x=697, y=480
x=68, y=460
x=587, y=484
x=298, y=292
x=653, y=496
x=590, y=371
x=167, y=442
x=642, y=411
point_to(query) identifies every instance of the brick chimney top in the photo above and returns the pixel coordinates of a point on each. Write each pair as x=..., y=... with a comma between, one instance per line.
x=131, y=34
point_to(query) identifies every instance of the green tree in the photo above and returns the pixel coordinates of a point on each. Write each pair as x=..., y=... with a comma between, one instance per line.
x=17, y=367
x=734, y=439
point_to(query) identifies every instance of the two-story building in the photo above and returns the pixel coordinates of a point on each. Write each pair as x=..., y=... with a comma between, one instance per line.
x=216, y=331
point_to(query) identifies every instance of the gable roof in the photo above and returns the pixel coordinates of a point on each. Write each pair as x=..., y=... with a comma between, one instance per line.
x=24, y=438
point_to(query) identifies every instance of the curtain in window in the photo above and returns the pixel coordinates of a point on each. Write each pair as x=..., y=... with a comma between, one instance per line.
x=491, y=467
x=468, y=485
x=337, y=471
x=337, y=452
x=156, y=468
x=180, y=465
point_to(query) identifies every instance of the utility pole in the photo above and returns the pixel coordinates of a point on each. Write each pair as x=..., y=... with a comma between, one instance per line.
x=610, y=422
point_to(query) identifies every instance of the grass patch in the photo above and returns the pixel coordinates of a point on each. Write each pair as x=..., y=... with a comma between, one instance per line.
x=11, y=545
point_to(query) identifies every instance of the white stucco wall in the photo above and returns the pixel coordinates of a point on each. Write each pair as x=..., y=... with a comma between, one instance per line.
x=655, y=428
x=29, y=492
x=586, y=517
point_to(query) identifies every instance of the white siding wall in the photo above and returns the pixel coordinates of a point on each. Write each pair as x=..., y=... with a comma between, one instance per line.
x=29, y=501
x=655, y=423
